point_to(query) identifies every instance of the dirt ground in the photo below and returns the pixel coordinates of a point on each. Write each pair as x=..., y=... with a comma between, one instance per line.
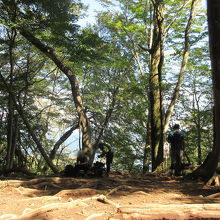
x=114, y=197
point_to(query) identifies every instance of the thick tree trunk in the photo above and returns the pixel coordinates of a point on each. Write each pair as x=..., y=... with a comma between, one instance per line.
x=156, y=59
x=156, y=101
x=207, y=170
x=214, y=44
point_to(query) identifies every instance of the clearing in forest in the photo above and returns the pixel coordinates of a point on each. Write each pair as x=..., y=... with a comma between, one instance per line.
x=115, y=197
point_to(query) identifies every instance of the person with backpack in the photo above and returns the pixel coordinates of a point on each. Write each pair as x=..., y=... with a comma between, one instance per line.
x=108, y=153
x=81, y=164
x=177, y=143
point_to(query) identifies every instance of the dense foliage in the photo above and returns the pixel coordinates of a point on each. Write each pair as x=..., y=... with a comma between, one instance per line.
x=112, y=64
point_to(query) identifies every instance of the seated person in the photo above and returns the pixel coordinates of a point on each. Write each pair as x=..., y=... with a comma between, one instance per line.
x=81, y=163
x=68, y=171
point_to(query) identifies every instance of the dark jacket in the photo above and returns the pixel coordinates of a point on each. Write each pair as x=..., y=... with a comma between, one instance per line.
x=176, y=140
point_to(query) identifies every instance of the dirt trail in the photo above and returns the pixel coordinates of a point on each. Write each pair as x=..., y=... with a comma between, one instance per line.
x=116, y=197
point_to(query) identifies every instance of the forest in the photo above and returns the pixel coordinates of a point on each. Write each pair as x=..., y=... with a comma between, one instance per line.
x=125, y=80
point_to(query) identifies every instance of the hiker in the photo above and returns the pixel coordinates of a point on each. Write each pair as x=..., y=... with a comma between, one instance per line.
x=68, y=171
x=177, y=142
x=81, y=163
x=108, y=153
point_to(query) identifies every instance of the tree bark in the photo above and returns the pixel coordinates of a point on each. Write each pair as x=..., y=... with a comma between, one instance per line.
x=207, y=170
x=214, y=45
x=147, y=149
x=159, y=123
x=14, y=140
x=9, y=133
x=11, y=122
x=156, y=60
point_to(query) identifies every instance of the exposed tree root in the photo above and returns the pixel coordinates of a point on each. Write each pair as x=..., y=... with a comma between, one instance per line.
x=186, y=211
x=103, y=199
x=94, y=216
x=117, y=188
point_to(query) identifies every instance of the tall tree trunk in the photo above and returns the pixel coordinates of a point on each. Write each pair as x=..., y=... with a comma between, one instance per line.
x=146, y=160
x=14, y=140
x=159, y=124
x=9, y=133
x=207, y=170
x=214, y=44
x=156, y=59
x=11, y=126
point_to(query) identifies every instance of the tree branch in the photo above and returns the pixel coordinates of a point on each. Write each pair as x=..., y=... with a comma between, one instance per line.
x=25, y=120
x=51, y=53
x=183, y=67
x=61, y=140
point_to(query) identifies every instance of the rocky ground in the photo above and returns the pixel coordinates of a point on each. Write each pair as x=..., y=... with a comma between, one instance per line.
x=114, y=197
